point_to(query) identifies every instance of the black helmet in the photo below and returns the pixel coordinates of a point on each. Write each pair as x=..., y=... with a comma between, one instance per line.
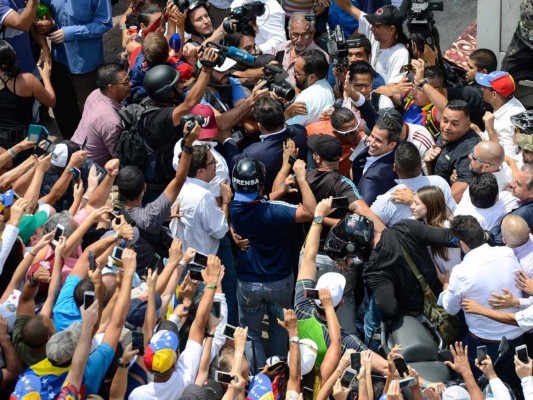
x=248, y=178
x=524, y=121
x=350, y=237
x=160, y=82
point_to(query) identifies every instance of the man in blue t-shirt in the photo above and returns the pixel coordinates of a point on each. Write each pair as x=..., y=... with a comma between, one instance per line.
x=265, y=271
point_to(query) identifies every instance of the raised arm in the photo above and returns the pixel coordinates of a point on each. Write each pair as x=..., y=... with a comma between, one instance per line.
x=290, y=323
x=101, y=193
x=26, y=304
x=333, y=354
x=32, y=193
x=438, y=99
x=306, y=211
x=24, y=20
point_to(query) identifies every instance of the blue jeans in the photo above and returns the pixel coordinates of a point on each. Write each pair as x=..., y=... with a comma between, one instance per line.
x=254, y=300
x=229, y=283
x=372, y=323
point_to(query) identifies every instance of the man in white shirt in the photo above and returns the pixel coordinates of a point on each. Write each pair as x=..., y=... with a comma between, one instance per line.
x=271, y=25
x=407, y=164
x=310, y=72
x=202, y=223
x=484, y=270
x=489, y=156
x=498, y=90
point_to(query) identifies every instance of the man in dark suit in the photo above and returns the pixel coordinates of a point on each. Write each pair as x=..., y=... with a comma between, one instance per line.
x=269, y=114
x=372, y=169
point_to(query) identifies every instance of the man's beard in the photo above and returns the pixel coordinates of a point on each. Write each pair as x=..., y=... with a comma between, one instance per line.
x=303, y=85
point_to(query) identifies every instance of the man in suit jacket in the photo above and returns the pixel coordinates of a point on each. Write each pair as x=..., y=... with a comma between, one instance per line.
x=372, y=169
x=269, y=114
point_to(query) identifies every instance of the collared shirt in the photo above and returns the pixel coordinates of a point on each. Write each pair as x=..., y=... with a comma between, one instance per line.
x=316, y=97
x=484, y=270
x=488, y=218
x=371, y=160
x=288, y=61
x=84, y=23
x=202, y=223
x=504, y=176
x=454, y=155
x=391, y=213
x=101, y=132
x=524, y=254
x=271, y=25
x=504, y=127
x=269, y=135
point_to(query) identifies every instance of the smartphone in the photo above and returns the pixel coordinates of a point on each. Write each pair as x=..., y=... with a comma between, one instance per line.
x=57, y=235
x=88, y=298
x=200, y=259
x=521, y=352
x=229, y=331
x=347, y=377
x=92, y=261
x=43, y=148
x=311, y=294
x=237, y=136
x=166, y=237
x=410, y=77
x=117, y=253
x=401, y=366
x=114, y=216
x=355, y=361
x=36, y=133
x=308, y=393
x=481, y=353
x=280, y=55
x=339, y=202
x=196, y=273
x=215, y=310
x=445, y=355
x=137, y=342
x=84, y=143
x=223, y=377
x=157, y=263
x=75, y=174
x=292, y=160
x=278, y=312
x=407, y=382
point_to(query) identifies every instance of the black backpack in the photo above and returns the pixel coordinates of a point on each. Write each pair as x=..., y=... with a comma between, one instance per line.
x=131, y=146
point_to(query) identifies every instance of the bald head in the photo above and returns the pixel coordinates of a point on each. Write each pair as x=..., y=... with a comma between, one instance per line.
x=515, y=231
x=491, y=152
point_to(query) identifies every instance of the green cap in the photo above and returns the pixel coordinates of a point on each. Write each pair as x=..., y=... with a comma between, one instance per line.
x=42, y=10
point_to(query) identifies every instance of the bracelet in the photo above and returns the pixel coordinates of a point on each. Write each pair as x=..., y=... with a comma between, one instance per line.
x=211, y=287
x=12, y=152
x=183, y=264
x=425, y=385
x=187, y=149
x=122, y=27
x=294, y=339
x=33, y=255
x=208, y=335
x=123, y=365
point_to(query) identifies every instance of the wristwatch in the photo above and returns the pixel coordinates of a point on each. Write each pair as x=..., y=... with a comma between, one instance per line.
x=70, y=170
x=125, y=365
x=318, y=219
x=294, y=339
x=422, y=83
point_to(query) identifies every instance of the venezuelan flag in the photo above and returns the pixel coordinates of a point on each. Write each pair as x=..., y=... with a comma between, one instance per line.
x=261, y=388
x=40, y=381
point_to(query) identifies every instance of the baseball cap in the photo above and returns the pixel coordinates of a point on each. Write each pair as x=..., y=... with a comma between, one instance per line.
x=60, y=155
x=500, y=81
x=384, y=113
x=387, y=15
x=160, y=354
x=209, y=129
x=308, y=353
x=137, y=311
x=211, y=390
x=455, y=393
x=29, y=223
x=524, y=141
x=326, y=146
x=60, y=348
x=175, y=41
x=335, y=282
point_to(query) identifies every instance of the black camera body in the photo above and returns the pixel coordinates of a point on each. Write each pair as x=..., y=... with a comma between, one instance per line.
x=182, y=4
x=189, y=120
x=282, y=89
x=337, y=47
x=244, y=15
x=419, y=15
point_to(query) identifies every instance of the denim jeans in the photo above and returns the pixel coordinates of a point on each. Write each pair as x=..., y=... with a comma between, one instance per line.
x=346, y=313
x=254, y=300
x=372, y=323
x=229, y=283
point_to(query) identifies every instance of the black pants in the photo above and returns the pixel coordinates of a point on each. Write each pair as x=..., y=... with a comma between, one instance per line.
x=71, y=92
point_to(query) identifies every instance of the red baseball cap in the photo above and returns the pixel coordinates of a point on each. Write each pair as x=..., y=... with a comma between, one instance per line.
x=500, y=81
x=209, y=129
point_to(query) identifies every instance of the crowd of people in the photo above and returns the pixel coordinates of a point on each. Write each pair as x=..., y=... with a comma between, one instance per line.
x=252, y=197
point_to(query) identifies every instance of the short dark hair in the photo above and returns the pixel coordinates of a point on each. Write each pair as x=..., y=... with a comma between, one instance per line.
x=130, y=181
x=145, y=12
x=315, y=63
x=434, y=73
x=234, y=39
x=79, y=290
x=407, y=159
x=484, y=59
x=198, y=159
x=341, y=116
x=34, y=332
x=392, y=126
x=364, y=41
x=467, y=229
x=269, y=113
x=107, y=74
x=459, y=105
x=483, y=190
x=360, y=68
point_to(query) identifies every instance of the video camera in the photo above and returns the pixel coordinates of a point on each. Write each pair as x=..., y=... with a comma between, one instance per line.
x=189, y=120
x=280, y=88
x=419, y=14
x=244, y=15
x=337, y=47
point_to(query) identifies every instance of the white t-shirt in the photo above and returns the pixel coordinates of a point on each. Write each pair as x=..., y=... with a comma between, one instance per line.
x=386, y=62
x=504, y=176
x=316, y=97
x=183, y=376
x=488, y=218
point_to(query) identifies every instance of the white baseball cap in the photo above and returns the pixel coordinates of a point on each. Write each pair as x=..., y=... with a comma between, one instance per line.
x=333, y=281
x=308, y=354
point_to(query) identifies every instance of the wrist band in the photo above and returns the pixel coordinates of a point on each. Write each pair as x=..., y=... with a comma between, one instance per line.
x=187, y=149
x=294, y=339
x=12, y=152
x=183, y=264
x=425, y=385
x=34, y=255
x=208, y=335
x=211, y=287
x=125, y=365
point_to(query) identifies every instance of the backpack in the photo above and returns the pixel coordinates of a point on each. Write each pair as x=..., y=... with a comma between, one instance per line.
x=131, y=145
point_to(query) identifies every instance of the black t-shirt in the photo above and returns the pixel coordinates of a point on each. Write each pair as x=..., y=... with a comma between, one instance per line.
x=455, y=156
x=474, y=97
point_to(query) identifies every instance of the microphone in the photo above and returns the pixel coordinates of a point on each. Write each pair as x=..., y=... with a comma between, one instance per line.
x=240, y=55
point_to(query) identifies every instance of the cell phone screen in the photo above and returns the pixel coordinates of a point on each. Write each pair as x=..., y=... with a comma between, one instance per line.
x=521, y=352
x=355, y=361
x=137, y=341
x=88, y=299
x=58, y=233
x=292, y=160
x=117, y=253
x=200, y=259
x=311, y=293
x=92, y=261
x=229, y=331
x=347, y=378
x=277, y=310
x=223, y=377
x=481, y=353
x=196, y=274
x=339, y=202
x=401, y=366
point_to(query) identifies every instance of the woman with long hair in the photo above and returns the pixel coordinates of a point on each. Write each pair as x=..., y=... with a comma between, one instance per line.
x=429, y=206
x=18, y=92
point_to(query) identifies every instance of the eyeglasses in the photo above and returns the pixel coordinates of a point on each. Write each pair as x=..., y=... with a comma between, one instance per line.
x=478, y=160
x=361, y=86
x=213, y=161
x=304, y=36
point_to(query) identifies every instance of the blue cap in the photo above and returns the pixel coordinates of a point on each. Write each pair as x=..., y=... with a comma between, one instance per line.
x=246, y=196
x=175, y=41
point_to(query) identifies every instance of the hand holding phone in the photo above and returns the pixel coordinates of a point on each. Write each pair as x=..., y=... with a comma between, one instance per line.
x=401, y=367
x=481, y=353
x=195, y=273
x=200, y=259
x=137, y=342
x=311, y=294
x=229, y=331
x=88, y=298
x=521, y=352
x=348, y=377
x=58, y=233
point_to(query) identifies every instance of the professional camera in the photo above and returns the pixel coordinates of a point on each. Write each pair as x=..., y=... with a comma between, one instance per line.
x=274, y=84
x=337, y=47
x=189, y=120
x=419, y=15
x=244, y=15
x=182, y=4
